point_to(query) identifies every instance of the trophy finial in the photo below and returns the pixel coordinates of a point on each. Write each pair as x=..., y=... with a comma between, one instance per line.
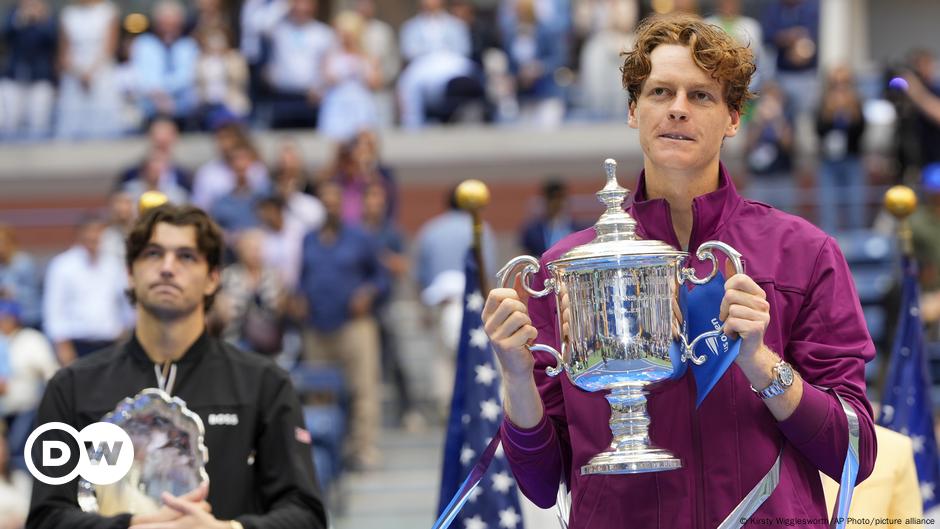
x=615, y=223
x=610, y=167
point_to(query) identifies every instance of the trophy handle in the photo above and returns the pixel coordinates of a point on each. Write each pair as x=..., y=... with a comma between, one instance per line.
x=551, y=371
x=705, y=251
x=525, y=265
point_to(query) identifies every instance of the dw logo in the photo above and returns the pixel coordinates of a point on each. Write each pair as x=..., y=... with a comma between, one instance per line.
x=107, y=456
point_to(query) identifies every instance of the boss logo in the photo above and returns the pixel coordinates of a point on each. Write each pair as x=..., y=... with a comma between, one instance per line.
x=223, y=419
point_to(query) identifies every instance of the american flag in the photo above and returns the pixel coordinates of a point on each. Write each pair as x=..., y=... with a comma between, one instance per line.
x=906, y=403
x=475, y=415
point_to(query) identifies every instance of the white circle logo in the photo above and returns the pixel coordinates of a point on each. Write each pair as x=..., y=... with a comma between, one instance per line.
x=105, y=453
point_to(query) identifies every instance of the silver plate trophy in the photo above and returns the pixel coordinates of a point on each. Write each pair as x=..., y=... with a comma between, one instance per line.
x=620, y=290
x=170, y=455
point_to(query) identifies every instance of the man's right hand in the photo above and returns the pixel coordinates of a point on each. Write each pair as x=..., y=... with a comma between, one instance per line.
x=168, y=514
x=507, y=323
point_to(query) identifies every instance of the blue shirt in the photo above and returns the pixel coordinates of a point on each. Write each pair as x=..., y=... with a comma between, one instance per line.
x=236, y=211
x=331, y=273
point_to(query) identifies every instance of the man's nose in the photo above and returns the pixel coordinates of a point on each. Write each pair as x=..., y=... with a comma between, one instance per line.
x=168, y=264
x=679, y=110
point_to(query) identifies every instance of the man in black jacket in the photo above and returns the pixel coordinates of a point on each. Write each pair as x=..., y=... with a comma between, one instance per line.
x=261, y=474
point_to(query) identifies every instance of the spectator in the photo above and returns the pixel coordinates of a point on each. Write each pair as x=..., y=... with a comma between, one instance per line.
x=162, y=136
x=165, y=64
x=434, y=30
x=350, y=76
x=924, y=224
x=27, y=75
x=439, y=88
x=14, y=489
x=537, y=47
x=235, y=211
x=283, y=237
x=924, y=65
x=258, y=18
x=354, y=170
x=290, y=178
x=299, y=43
x=208, y=14
x=440, y=249
x=150, y=177
x=32, y=364
x=216, y=178
x=251, y=301
x=483, y=34
x=791, y=27
x=89, y=95
x=770, y=151
x=440, y=81
x=392, y=247
x=122, y=212
x=601, y=88
x=746, y=30
x=368, y=158
x=221, y=78
x=84, y=308
x=840, y=124
x=552, y=225
x=19, y=280
x=342, y=281
x=380, y=42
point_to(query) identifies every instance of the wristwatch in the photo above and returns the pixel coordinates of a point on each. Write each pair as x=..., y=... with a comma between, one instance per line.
x=783, y=379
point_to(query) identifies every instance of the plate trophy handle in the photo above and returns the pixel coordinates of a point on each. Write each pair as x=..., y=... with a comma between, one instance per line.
x=706, y=251
x=526, y=265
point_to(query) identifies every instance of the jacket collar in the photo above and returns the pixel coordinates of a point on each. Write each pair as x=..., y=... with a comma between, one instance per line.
x=709, y=212
x=190, y=357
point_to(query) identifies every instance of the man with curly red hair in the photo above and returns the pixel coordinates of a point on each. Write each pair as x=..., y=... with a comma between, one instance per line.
x=804, y=342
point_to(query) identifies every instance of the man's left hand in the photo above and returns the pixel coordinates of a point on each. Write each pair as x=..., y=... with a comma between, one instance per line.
x=193, y=516
x=746, y=313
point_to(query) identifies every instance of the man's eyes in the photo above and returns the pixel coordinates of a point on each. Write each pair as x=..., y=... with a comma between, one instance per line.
x=183, y=255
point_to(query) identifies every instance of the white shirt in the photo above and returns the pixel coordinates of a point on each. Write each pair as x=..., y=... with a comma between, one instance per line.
x=424, y=81
x=32, y=363
x=430, y=33
x=306, y=209
x=83, y=299
x=258, y=18
x=282, y=251
x=297, y=55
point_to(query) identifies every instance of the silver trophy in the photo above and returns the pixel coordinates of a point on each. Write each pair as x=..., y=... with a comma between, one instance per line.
x=620, y=291
x=170, y=455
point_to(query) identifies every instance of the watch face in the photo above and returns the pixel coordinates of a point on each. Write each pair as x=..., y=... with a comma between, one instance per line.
x=785, y=375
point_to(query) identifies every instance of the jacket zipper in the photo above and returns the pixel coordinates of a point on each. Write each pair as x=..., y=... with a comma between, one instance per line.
x=698, y=472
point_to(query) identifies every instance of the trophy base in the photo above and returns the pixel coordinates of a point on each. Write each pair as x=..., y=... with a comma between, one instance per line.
x=634, y=462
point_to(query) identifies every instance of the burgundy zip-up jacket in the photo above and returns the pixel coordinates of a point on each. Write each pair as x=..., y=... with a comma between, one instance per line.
x=730, y=442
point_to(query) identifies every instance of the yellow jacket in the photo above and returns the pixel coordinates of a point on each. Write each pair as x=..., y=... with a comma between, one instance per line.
x=892, y=491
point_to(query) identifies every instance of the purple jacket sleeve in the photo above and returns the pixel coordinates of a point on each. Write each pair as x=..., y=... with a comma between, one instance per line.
x=538, y=455
x=829, y=346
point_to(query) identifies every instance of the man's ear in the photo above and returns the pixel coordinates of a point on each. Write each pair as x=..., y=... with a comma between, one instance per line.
x=631, y=116
x=215, y=280
x=732, y=129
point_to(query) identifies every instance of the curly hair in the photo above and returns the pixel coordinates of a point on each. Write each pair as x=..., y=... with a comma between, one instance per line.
x=713, y=50
x=209, y=240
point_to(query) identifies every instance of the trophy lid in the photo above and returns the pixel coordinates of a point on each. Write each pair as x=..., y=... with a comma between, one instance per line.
x=616, y=229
